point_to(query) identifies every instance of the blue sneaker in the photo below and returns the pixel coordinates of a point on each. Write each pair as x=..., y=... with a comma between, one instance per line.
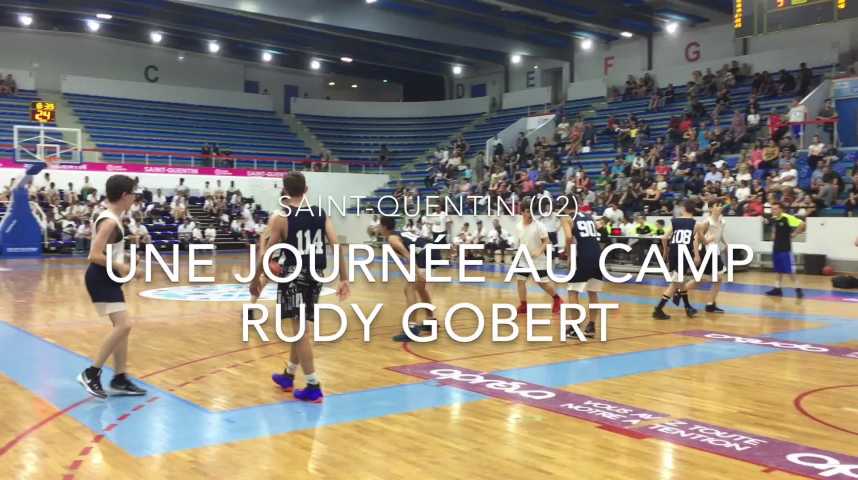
x=403, y=337
x=313, y=393
x=284, y=380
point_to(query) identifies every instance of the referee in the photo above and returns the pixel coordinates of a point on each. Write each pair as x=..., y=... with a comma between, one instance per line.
x=786, y=227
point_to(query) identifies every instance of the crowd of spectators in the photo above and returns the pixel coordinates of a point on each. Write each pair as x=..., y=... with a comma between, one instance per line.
x=651, y=174
x=66, y=214
x=8, y=85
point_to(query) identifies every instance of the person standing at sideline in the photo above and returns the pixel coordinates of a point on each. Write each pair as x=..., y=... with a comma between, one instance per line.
x=786, y=227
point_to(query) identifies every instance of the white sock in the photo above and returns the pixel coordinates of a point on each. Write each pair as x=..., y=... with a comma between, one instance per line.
x=291, y=368
x=312, y=379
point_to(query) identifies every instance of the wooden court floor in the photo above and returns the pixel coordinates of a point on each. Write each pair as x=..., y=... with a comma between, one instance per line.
x=212, y=411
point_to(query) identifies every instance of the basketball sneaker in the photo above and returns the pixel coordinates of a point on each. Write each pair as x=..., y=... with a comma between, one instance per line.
x=590, y=330
x=799, y=293
x=555, y=306
x=403, y=337
x=713, y=308
x=690, y=311
x=312, y=393
x=284, y=380
x=120, y=385
x=775, y=292
x=91, y=381
x=659, y=314
x=522, y=308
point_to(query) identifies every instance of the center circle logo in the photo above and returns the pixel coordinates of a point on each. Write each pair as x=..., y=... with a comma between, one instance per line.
x=227, y=292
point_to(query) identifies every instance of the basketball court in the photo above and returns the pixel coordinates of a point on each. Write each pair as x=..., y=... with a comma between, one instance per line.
x=192, y=128
x=212, y=410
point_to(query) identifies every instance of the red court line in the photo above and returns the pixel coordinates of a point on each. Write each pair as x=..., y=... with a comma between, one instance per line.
x=30, y=430
x=798, y=406
x=86, y=450
x=11, y=443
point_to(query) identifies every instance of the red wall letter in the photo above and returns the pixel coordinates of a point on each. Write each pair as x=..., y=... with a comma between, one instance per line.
x=692, y=52
x=609, y=62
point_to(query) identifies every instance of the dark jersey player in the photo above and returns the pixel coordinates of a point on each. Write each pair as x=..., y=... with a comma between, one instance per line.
x=580, y=230
x=679, y=237
x=309, y=230
x=403, y=243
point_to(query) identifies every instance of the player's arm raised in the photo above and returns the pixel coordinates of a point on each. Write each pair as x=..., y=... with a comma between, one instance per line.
x=343, y=287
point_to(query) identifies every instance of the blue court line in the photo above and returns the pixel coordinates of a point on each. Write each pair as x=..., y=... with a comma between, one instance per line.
x=173, y=424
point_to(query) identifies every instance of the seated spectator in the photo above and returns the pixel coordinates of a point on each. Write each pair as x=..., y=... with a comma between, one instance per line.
x=8, y=85
x=498, y=239
x=785, y=83
x=210, y=234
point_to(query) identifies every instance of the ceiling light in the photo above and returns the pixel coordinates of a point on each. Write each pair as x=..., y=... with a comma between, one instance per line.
x=536, y=67
x=332, y=84
x=515, y=59
x=371, y=1
x=626, y=34
x=104, y=16
x=25, y=19
x=347, y=59
x=156, y=37
x=586, y=44
x=214, y=47
x=181, y=57
x=385, y=81
x=315, y=64
x=457, y=69
x=671, y=27
x=354, y=85
x=93, y=25
x=267, y=57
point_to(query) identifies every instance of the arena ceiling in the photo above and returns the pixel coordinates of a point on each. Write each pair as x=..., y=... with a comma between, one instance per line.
x=399, y=40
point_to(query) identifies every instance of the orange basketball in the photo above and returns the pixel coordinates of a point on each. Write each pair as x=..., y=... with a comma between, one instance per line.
x=828, y=270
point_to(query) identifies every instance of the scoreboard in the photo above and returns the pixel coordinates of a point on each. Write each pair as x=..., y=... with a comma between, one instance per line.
x=43, y=112
x=758, y=17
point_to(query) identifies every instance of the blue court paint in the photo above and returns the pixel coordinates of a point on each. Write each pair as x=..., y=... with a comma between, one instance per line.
x=173, y=423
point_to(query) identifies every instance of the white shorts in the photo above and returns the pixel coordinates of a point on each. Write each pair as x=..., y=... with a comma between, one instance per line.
x=106, y=308
x=591, y=285
x=688, y=276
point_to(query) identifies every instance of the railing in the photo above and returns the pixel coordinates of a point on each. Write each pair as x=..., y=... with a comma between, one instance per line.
x=209, y=160
x=809, y=128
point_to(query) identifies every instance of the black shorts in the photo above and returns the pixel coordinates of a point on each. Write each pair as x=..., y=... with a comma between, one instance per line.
x=543, y=275
x=303, y=290
x=586, y=271
x=100, y=287
x=438, y=238
x=720, y=265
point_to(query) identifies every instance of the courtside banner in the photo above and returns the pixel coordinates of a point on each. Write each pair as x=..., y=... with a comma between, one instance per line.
x=767, y=452
x=545, y=398
x=164, y=169
x=782, y=344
